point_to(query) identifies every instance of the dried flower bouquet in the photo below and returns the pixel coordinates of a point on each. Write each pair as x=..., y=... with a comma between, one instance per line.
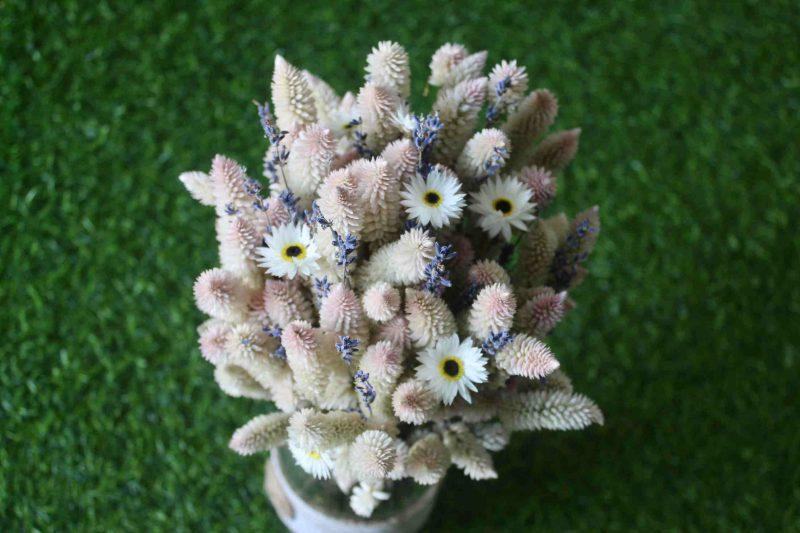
x=390, y=283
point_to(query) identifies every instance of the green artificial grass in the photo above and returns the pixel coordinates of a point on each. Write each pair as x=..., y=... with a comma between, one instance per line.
x=686, y=332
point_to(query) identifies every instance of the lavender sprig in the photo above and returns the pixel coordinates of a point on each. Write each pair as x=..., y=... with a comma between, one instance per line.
x=426, y=130
x=496, y=342
x=322, y=287
x=276, y=332
x=436, y=274
x=360, y=137
x=347, y=347
x=364, y=388
x=271, y=132
x=316, y=216
x=569, y=256
x=275, y=137
x=345, y=250
x=493, y=112
x=289, y=200
x=495, y=161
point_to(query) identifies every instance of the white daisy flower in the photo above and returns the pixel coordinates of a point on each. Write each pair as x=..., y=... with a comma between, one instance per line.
x=451, y=368
x=435, y=201
x=316, y=463
x=290, y=250
x=366, y=497
x=503, y=203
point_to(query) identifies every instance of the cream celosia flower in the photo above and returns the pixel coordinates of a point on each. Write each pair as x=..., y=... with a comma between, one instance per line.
x=484, y=155
x=366, y=497
x=503, y=203
x=291, y=96
x=395, y=331
x=509, y=82
x=310, y=429
x=289, y=251
x=200, y=186
x=493, y=311
x=248, y=341
x=428, y=460
x=383, y=361
x=341, y=313
x=436, y=200
x=458, y=109
x=237, y=382
x=284, y=302
x=220, y=294
x=381, y=301
x=550, y=409
x=309, y=162
x=228, y=179
x=372, y=455
x=399, y=470
x=242, y=236
x=557, y=150
x=325, y=98
x=413, y=402
x=340, y=202
x=486, y=272
x=526, y=356
x=379, y=191
x=315, y=462
x=376, y=105
x=261, y=434
x=530, y=120
x=387, y=65
x=429, y=318
x=444, y=59
x=213, y=337
x=401, y=262
x=401, y=156
x=543, y=310
x=492, y=435
x=468, y=454
x=452, y=368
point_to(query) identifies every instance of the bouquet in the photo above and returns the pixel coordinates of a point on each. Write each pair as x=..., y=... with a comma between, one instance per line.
x=390, y=281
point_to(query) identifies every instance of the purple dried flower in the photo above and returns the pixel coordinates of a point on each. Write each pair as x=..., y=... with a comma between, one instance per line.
x=271, y=132
x=316, y=216
x=496, y=342
x=436, y=275
x=345, y=247
x=364, y=388
x=280, y=351
x=493, y=112
x=496, y=161
x=290, y=201
x=322, y=287
x=566, y=267
x=347, y=347
x=426, y=130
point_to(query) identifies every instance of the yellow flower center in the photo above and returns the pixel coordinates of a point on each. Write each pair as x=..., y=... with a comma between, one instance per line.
x=504, y=206
x=451, y=368
x=432, y=198
x=314, y=455
x=294, y=250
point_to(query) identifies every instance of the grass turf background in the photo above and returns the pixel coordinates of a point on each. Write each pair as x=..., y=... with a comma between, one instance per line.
x=686, y=333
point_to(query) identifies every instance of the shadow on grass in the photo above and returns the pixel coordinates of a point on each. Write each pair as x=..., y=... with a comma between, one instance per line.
x=553, y=473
